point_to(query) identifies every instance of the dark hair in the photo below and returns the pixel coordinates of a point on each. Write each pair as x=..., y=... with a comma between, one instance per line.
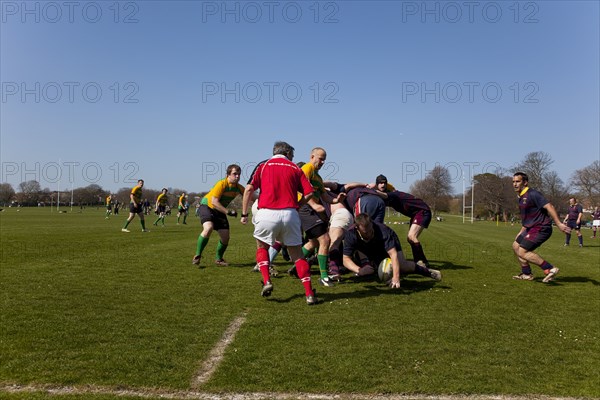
x=231, y=167
x=282, y=148
x=363, y=220
x=381, y=179
x=523, y=175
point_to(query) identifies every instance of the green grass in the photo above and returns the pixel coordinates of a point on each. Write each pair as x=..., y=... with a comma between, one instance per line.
x=85, y=305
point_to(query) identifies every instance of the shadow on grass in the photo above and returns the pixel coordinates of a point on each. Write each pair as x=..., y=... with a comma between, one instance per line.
x=370, y=287
x=446, y=265
x=574, y=279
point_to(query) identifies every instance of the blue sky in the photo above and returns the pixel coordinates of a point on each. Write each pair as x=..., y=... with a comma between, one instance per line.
x=172, y=91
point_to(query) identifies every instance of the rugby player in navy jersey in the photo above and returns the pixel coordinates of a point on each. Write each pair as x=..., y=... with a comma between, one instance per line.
x=573, y=221
x=537, y=215
x=368, y=243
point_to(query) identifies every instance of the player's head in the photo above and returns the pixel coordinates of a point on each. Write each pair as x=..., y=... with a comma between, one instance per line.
x=572, y=201
x=318, y=155
x=164, y=190
x=233, y=173
x=381, y=182
x=140, y=182
x=520, y=181
x=364, y=227
x=283, y=149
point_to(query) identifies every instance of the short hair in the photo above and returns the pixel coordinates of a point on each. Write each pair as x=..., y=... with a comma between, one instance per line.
x=164, y=190
x=282, y=148
x=231, y=167
x=140, y=180
x=381, y=179
x=523, y=176
x=363, y=220
x=300, y=164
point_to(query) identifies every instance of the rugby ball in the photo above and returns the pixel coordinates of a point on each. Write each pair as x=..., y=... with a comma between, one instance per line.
x=384, y=271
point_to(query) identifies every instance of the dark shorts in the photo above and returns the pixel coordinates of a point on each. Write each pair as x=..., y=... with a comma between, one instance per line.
x=109, y=208
x=573, y=224
x=421, y=218
x=182, y=209
x=312, y=224
x=161, y=209
x=218, y=219
x=534, y=237
x=136, y=210
x=373, y=206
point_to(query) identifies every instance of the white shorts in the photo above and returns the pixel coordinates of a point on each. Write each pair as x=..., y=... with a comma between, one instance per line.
x=278, y=225
x=596, y=222
x=341, y=218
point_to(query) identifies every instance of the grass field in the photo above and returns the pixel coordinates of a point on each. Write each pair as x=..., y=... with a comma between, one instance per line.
x=91, y=312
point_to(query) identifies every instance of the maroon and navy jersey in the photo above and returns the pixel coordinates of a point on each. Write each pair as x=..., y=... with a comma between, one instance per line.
x=405, y=203
x=376, y=249
x=574, y=212
x=596, y=215
x=353, y=195
x=279, y=181
x=531, y=206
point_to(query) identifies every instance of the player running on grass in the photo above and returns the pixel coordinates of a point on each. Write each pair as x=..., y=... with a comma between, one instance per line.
x=537, y=215
x=213, y=213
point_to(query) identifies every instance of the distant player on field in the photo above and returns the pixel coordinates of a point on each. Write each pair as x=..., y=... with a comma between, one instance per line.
x=573, y=221
x=537, y=215
x=595, y=221
x=136, y=206
x=109, y=205
x=213, y=213
x=161, y=206
x=182, y=208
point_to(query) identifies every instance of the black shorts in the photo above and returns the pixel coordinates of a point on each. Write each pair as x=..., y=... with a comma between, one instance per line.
x=182, y=209
x=136, y=209
x=534, y=237
x=218, y=219
x=312, y=224
x=573, y=224
x=161, y=209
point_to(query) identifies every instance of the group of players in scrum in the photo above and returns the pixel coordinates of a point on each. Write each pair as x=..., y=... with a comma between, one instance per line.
x=343, y=224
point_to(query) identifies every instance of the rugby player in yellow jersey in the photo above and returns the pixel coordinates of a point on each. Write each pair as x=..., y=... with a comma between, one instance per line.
x=161, y=206
x=108, y=205
x=182, y=208
x=135, y=206
x=313, y=216
x=213, y=213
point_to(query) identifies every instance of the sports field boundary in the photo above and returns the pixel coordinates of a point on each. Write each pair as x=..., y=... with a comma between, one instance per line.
x=185, y=395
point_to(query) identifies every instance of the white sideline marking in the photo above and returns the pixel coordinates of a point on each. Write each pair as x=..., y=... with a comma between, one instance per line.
x=215, y=356
x=185, y=395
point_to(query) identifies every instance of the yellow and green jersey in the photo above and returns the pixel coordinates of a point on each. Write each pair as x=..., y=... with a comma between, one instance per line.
x=315, y=180
x=137, y=194
x=108, y=200
x=182, y=200
x=162, y=199
x=224, y=191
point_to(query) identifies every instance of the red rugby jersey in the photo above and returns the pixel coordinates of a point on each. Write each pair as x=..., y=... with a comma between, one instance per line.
x=279, y=181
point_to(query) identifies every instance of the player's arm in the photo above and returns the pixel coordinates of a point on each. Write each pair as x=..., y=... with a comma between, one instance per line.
x=132, y=198
x=248, y=195
x=395, y=282
x=350, y=264
x=554, y=215
x=217, y=205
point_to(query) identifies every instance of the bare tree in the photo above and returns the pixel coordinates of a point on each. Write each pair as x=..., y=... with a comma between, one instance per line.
x=494, y=195
x=7, y=194
x=435, y=189
x=535, y=164
x=29, y=193
x=587, y=182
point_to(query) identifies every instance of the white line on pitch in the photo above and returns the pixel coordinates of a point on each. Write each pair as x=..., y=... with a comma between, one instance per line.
x=216, y=354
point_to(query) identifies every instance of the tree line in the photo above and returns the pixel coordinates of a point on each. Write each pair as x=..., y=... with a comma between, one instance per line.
x=493, y=193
